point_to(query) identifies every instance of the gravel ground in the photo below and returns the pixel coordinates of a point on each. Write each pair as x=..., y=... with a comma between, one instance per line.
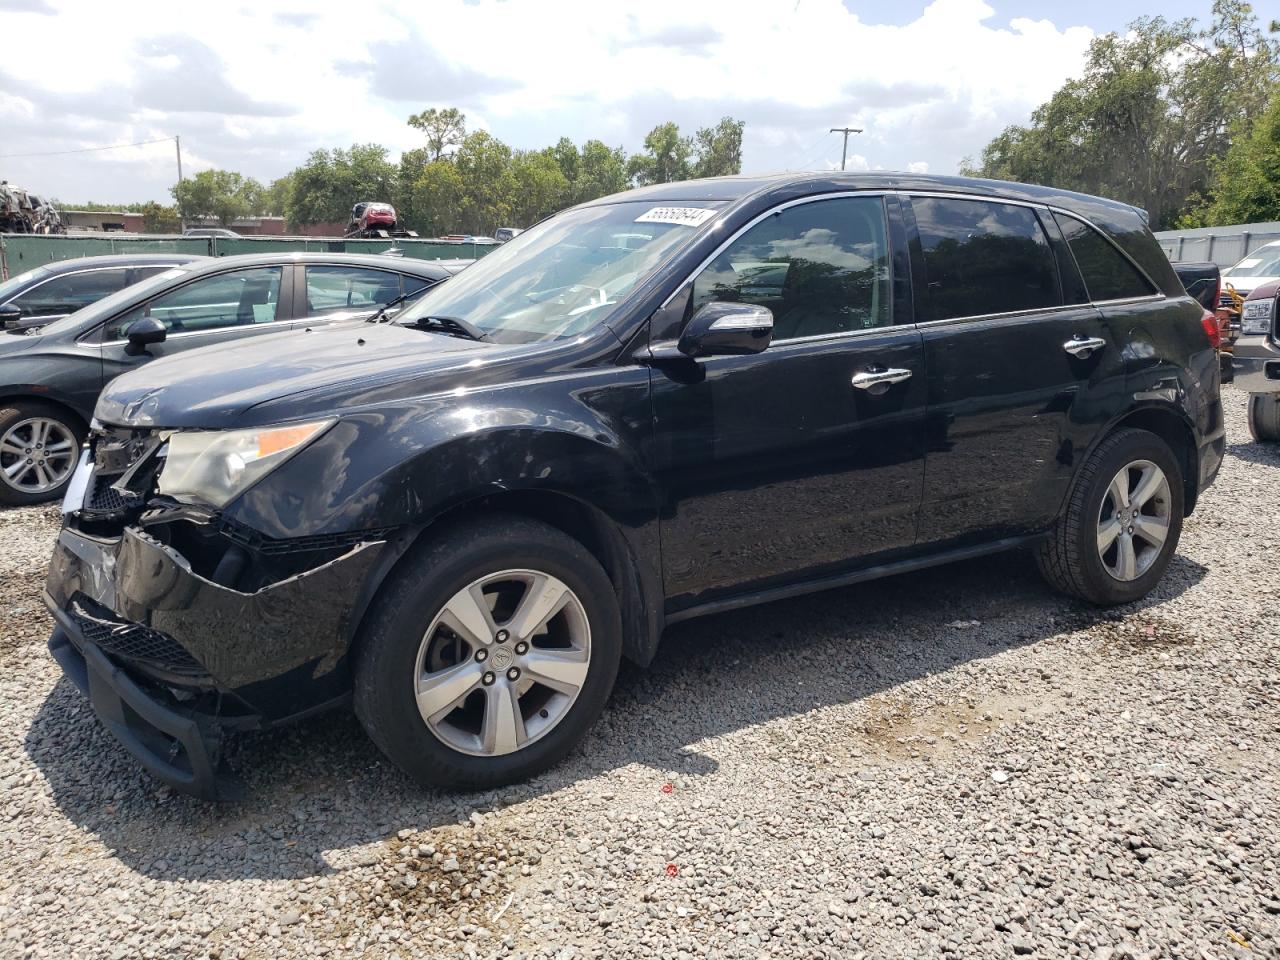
x=957, y=762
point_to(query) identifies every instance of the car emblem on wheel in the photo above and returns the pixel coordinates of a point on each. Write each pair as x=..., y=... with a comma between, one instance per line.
x=502, y=657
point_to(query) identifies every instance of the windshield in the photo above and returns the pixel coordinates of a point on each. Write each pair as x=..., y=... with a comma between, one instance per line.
x=565, y=275
x=96, y=312
x=1260, y=263
x=14, y=284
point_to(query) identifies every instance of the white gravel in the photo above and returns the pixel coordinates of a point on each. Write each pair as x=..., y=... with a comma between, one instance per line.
x=953, y=763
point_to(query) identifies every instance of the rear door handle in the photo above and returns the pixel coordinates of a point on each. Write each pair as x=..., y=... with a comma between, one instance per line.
x=1080, y=346
x=866, y=379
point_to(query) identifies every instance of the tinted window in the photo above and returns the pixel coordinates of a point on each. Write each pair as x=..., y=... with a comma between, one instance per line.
x=982, y=257
x=821, y=267
x=331, y=289
x=68, y=293
x=142, y=273
x=239, y=298
x=1107, y=274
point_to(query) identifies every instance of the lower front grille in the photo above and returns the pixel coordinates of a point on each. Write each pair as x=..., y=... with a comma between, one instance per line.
x=105, y=499
x=132, y=641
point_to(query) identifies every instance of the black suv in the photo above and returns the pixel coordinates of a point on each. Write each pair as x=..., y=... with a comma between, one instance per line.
x=661, y=404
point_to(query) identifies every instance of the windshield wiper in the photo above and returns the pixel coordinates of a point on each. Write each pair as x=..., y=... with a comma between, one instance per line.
x=454, y=326
x=395, y=302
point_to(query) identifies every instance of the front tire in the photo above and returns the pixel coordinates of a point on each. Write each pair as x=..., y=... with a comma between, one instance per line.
x=1264, y=417
x=1121, y=524
x=39, y=447
x=488, y=654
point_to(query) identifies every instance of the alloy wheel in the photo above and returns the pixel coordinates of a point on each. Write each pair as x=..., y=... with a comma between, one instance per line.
x=1133, y=521
x=503, y=662
x=37, y=455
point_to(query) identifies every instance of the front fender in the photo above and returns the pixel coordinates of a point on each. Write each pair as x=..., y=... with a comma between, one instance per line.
x=404, y=465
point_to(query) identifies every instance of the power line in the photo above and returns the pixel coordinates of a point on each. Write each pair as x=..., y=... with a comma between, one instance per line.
x=59, y=153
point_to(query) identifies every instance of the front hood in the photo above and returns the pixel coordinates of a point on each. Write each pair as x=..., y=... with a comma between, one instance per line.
x=215, y=387
x=1245, y=285
x=1268, y=288
x=19, y=341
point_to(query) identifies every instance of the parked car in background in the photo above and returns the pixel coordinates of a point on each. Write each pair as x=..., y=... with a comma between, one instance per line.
x=222, y=232
x=503, y=234
x=1203, y=282
x=50, y=292
x=1259, y=267
x=50, y=379
x=462, y=520
x=1257, y=360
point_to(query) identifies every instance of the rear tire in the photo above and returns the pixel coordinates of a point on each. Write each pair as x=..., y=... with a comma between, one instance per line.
x=1126, y=496
x=461, y=680
x=1264, y=417
x=39, y=449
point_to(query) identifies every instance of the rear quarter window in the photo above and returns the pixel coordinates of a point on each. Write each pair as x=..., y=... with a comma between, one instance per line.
x=1107, y=273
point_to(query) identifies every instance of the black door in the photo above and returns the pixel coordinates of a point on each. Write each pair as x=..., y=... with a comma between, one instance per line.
x=1019, y=376
x=793, y=462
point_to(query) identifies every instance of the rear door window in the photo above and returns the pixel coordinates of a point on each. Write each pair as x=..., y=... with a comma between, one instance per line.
x=983, y=257
x=334, y=289
x=1108, y=275
x=70, y=292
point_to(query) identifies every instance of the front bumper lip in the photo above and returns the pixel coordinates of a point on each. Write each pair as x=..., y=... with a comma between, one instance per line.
x=239, y=638
x=178, y=749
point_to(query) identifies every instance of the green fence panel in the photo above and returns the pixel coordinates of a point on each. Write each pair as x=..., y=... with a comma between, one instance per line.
x=20, y=252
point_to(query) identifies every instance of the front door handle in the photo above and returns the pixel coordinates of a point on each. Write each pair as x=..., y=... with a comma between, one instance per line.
x=867, y=379
x=1081, y=346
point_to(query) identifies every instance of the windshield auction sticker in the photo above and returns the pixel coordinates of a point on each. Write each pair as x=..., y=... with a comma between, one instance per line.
x=683, y=216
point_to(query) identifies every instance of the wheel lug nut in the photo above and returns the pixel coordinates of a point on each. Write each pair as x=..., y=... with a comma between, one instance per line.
x=501, y=636
x=513, y=674
x=522, y=648
x=482, y=655
x=488, y=678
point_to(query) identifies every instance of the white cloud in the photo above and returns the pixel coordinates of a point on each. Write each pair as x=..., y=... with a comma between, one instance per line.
x=255, y=88
x=918, y=166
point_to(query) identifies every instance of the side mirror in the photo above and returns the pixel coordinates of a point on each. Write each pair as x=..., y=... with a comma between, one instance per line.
x=727, y=329
x=142, y=333
x=10, y=316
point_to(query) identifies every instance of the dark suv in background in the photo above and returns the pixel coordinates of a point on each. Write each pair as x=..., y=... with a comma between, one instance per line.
x=661, y=404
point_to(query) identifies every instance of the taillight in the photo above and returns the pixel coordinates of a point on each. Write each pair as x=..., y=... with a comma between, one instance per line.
x=1212, y=329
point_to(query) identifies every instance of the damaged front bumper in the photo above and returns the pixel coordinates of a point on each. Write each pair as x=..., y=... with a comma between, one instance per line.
x=179, y=629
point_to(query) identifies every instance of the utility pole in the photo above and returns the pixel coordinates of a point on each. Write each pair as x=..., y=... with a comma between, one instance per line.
x=177, y=143
x=846, y=131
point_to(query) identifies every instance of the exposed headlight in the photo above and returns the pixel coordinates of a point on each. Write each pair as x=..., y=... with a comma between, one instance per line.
x=1257, y=316
x=215, y=466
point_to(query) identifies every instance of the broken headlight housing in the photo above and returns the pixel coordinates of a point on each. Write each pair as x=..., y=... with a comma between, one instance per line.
x=1257, y=316
x=216, y=466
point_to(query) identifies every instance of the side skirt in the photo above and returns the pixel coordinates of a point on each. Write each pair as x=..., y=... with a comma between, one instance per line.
x=854, y=576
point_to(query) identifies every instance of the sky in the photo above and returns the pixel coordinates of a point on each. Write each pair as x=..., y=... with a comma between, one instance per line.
x=256, y=87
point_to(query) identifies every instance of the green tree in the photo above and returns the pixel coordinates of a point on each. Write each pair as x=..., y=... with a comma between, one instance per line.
x=540, y=186
x=331, y=182
x=483, y=163
x=1246, y=183
x=666, y=157
x=159, y=219
x=276, y=197
x=718, y=150
x=444, y=129
x=435, y=199
x=223, y=194
x=601, y=170
x=1151, y=115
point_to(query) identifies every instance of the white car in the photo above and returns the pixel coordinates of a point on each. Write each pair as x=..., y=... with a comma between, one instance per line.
x=1254, y=270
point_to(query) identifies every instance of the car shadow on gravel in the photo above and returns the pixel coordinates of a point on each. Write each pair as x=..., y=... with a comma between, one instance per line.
x=319, y=793
x=1253, y=452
